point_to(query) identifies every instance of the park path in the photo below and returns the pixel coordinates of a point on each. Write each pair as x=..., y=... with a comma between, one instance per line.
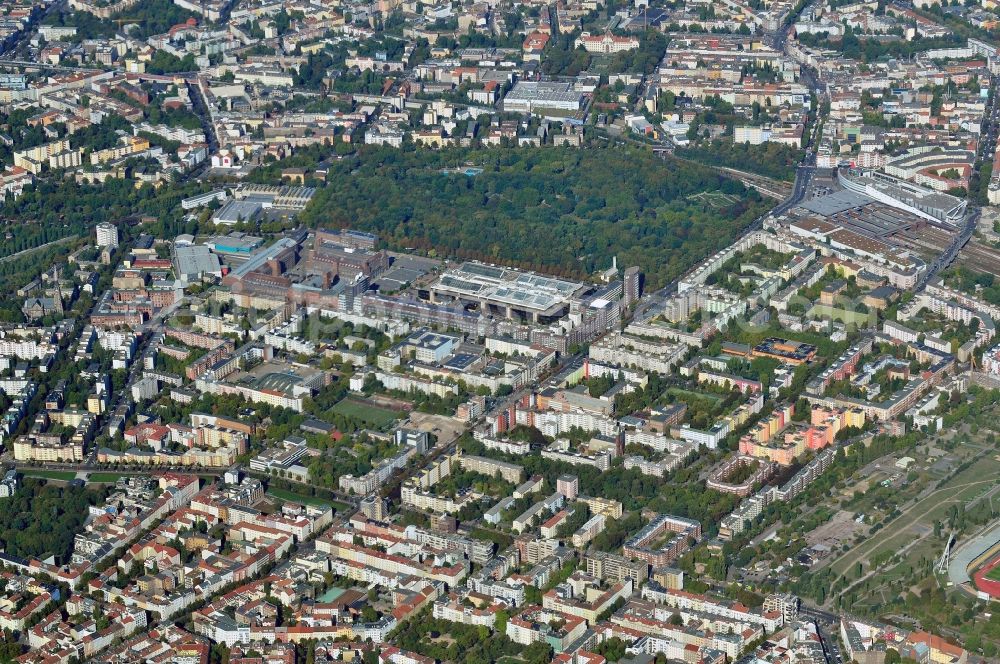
x=864, y=550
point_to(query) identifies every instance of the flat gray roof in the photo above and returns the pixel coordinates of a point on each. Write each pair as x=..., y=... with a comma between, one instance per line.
x=836, y=202
x=196, y=260
x=238, y=210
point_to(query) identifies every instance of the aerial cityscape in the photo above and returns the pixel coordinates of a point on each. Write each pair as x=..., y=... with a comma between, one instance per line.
x=499, y=331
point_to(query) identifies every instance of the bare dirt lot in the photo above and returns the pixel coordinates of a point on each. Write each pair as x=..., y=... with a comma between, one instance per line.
x=838, y=530
x=445, y=429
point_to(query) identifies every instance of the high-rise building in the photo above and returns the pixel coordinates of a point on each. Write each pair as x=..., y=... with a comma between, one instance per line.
x=107, y=235
x=633, y=285
x=375, y=507
x=568, y=486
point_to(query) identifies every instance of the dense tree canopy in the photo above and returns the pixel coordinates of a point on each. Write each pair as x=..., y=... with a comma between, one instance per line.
x=562, y=211
x=870, y=50
x=152, y=17
x=53, y=209
x=42, y=519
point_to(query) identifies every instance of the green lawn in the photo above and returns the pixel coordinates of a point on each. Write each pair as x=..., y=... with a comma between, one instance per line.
x=502, y=540
x=371, y=414
x=291, y=496
x=104, y=478
x=994, y=574
x=681, y=393
x=600, y=64
x=842, y=315
x=63, y=475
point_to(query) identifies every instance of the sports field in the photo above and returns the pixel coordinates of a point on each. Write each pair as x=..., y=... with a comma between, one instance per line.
x=373, y=415
x=994, y=574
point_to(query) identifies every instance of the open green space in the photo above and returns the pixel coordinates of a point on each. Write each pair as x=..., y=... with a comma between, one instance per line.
x=846, y=316
x=881, y=588
x=291, y=496
x=60, y=475
x=904, y=585
x=959, y=490
x=369, y=413
x=104, y=478
x=684, y=395
x=994, y=574
x=600, y=64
